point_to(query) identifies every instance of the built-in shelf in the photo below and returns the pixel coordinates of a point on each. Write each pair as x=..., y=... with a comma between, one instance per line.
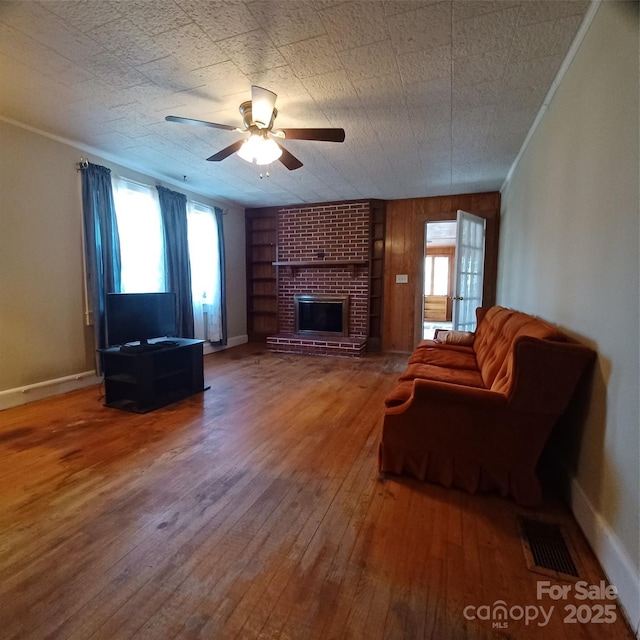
x=376, y=275
x=262, y=276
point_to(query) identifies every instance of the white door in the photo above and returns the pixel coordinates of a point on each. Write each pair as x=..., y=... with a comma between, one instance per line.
x=469, y=273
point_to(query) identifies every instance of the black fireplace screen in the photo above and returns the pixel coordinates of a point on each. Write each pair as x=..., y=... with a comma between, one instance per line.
x=322, y=315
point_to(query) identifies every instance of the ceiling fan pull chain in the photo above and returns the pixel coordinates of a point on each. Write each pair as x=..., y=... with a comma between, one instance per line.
x=266, y=173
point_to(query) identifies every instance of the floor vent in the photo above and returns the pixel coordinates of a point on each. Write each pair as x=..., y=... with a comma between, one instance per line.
x=546, y=549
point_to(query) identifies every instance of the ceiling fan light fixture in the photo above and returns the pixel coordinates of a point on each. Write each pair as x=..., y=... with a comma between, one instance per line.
x=259, y=149
x=262, y=105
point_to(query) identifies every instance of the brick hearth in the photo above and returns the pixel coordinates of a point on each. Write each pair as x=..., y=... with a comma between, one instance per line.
x=338, y=236
x=320, y=346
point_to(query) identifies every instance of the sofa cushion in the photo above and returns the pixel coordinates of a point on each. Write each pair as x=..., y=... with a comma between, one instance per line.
x=488, y=355
x=450, y=358
x=441, y=345
x=441, y=374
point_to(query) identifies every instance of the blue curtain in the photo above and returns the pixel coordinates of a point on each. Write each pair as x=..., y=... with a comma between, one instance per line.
x=223, y=294
x=101, y=245
x=173, y=208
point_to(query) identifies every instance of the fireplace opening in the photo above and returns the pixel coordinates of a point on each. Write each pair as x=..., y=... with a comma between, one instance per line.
x=321, y=315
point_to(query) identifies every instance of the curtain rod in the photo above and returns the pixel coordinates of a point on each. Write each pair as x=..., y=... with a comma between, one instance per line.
x=84, y=163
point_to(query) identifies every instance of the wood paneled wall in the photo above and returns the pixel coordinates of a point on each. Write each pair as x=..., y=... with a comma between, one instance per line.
x=404, y=251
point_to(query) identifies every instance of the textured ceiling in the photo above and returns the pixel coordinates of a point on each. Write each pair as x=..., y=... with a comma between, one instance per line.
x=435, y=97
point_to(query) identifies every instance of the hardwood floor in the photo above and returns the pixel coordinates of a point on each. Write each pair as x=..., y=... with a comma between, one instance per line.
x=252, y=511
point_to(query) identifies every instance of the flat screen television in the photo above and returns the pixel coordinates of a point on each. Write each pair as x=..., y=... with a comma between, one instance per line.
x=139, y=317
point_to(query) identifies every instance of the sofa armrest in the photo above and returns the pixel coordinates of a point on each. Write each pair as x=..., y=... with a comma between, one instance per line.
x=428, y=392
x=545, y=374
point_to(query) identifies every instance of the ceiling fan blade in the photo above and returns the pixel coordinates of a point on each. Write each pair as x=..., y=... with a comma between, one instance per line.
x=289, y=160
x=226, y=152
x=263, y=103
x=202, y=123
x=326, y=135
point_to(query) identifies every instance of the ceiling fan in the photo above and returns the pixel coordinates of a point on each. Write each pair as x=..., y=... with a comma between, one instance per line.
x=258, y=115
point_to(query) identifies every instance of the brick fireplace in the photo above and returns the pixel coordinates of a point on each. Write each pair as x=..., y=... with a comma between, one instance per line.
x=323, y=250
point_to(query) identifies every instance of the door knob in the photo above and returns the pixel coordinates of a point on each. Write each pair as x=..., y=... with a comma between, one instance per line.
x=458, y=298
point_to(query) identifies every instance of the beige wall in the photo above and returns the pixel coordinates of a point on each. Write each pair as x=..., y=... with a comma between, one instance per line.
x=42, y=331
x=569, y=252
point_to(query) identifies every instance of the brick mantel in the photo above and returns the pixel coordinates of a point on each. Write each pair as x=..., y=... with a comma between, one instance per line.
x=318, y=263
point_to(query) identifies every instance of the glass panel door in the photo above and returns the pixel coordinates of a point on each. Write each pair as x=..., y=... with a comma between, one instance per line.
x=469, y=271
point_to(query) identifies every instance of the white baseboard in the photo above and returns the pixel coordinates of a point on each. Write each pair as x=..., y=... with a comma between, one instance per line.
x=616, y=563
x=40, y=390
x=235, y=341
x=49, y=388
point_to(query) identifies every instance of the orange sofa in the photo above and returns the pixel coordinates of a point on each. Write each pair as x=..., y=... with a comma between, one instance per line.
x=477, y=417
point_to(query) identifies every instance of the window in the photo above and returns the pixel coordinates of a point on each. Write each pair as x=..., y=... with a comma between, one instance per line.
x=204, y=256
x=436, y=276
x=142, y=252
x=141, y=239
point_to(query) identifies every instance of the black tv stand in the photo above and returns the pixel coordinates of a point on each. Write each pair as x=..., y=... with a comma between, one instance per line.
x=141, y=380
x=149, y=346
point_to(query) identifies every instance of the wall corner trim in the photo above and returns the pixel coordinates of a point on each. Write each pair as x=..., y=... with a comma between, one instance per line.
x=566, y=63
